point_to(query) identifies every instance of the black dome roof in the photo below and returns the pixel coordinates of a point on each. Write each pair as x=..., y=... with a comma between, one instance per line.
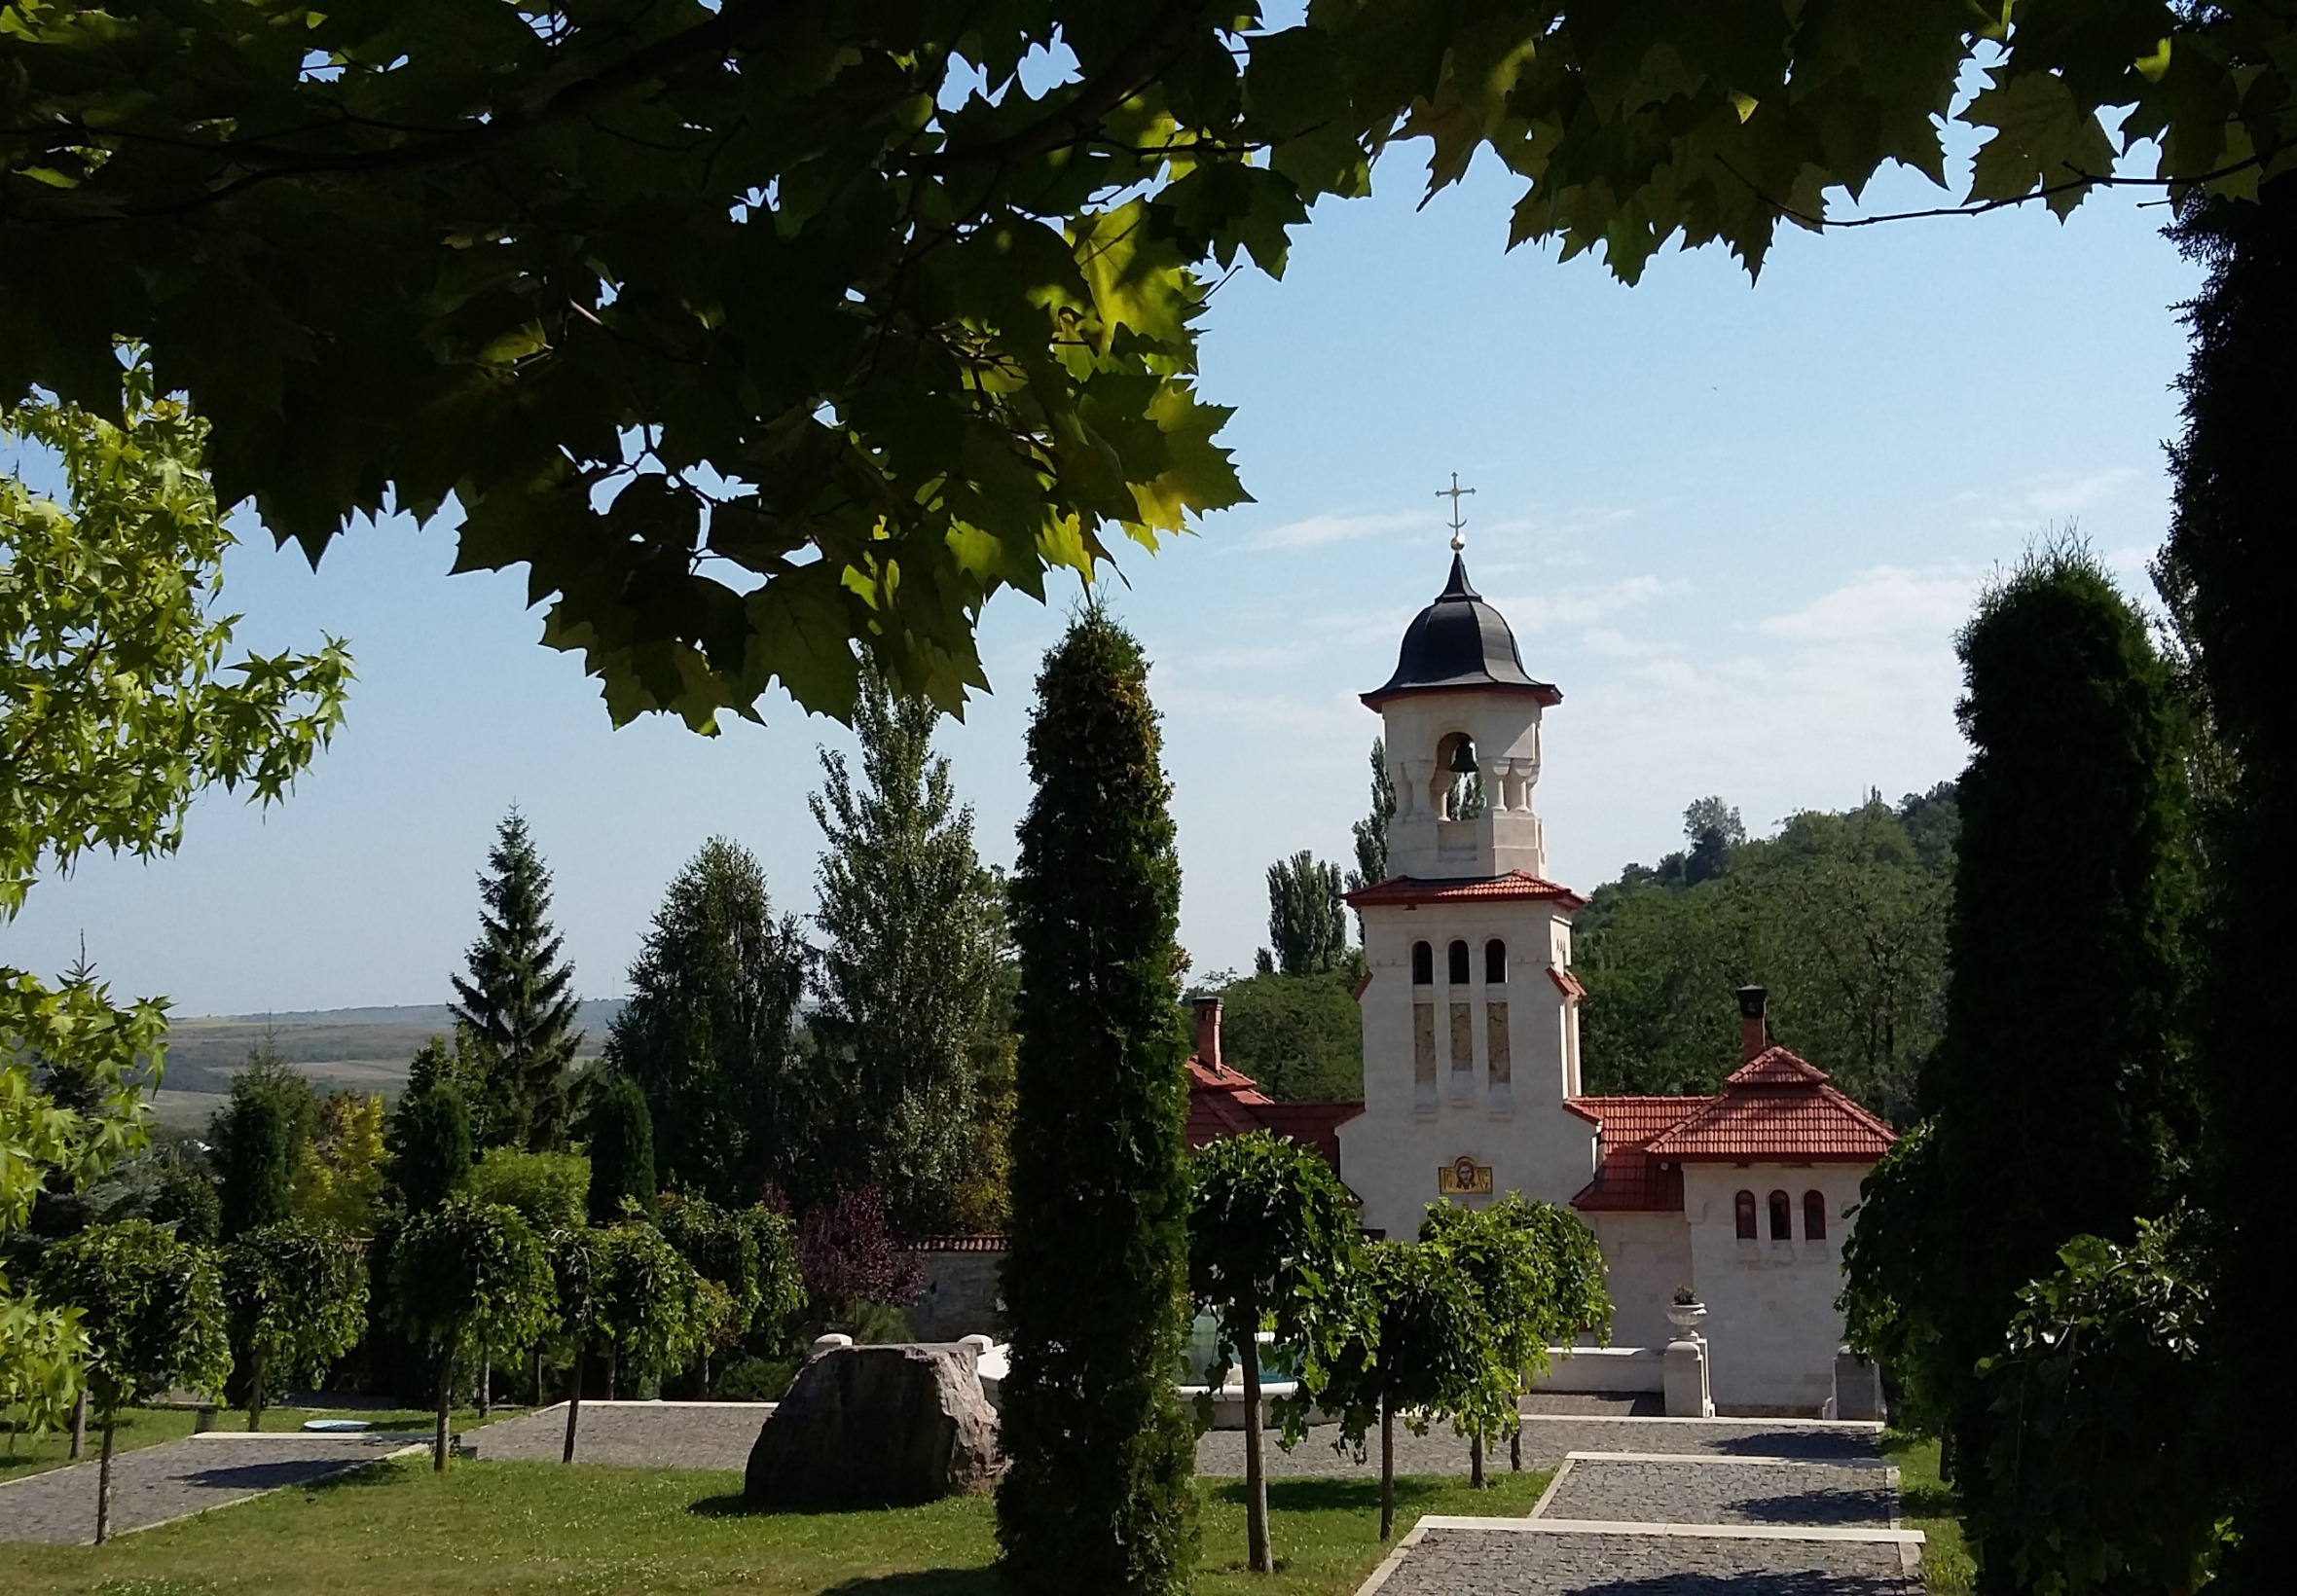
x=1459, y=642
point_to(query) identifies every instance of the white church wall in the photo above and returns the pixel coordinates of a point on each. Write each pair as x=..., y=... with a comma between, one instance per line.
x=1391, y=1153
x=1645, y=1257
x=1772, y=1325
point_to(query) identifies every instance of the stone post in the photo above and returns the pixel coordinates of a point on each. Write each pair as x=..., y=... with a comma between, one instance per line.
x=1683, y=1366
x=1858, y=1387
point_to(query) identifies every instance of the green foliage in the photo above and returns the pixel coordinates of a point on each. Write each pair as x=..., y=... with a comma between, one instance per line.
x=1299, y=1037
x=1842, y=916
x=551, y=1190
x=114, y=706
x=259, y=1137
x=1419, y=1345
x=911, y=977
x=2058, y=1094
x=1537, y=1272
x=751, y=1251
x=430, y=1146
x=1097, y=1496
x=43, y=1352
x=2226, y=574
x=151, y=1307
x=297, y=1299
x=116, y=1054
x=1371, y=832
x=515, y=1006
x=618, y=1133
x=1271, y=1246
x=471, y=1275
x=339, y=1178
x=2099, y=1479
x=187, y=1199
x=1307, y=923
x=645, y=1301
x=705, y=1034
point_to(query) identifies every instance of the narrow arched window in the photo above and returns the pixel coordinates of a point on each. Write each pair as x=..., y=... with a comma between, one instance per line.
x=1495, y=963
x=1743, y=1205
x=1423, y=965
x=1458, y=960
x=1782, y=1217
x=1814, y=1216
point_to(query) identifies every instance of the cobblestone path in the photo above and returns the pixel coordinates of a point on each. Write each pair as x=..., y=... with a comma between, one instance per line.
x=1683, y=1508
x=154, y=1484
x=631, y=1435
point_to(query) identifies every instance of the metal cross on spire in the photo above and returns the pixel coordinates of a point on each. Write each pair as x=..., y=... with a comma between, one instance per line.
x=1455, y=492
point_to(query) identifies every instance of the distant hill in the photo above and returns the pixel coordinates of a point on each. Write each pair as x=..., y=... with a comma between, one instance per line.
x=363, y=1049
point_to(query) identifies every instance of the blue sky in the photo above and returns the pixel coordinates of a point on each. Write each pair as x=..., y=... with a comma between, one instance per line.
x=1738, y=524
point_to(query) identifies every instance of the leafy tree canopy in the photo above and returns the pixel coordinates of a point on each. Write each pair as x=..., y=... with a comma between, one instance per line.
x=1299, y=1037
x=1843, y=916
x=152, y=1308
x=1307, y=926
x=759, y=331
x=705, y=1035
x=297, y=1298
x=551, y=1190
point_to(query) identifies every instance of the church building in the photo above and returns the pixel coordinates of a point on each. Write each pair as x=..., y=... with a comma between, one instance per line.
x=1471, y=1079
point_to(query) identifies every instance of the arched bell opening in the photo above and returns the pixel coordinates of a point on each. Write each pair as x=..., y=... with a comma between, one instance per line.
x=1456, y=793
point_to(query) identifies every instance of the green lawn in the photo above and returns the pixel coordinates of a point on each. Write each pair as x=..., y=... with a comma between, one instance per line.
x=30, y=1454
x=1929, y=1505
x=525, y=1527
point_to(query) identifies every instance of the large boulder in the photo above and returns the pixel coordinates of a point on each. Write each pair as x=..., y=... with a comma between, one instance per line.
x=874, y=1427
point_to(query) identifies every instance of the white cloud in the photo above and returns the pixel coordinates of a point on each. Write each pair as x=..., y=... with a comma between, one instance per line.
x=1583, y=606
x=1315, y=532
x=2061, y=493
x=1886, y=601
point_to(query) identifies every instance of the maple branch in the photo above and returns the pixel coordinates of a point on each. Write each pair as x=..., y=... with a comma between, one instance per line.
x=1132, y=69
x=2080, y=180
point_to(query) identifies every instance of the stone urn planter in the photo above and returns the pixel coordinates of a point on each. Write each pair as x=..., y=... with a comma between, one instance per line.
x=1686, y=1317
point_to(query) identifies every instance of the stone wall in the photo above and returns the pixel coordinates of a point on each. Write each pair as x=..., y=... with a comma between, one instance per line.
x=1772, y=1325
x=960, y=1296
x=1646, y=1257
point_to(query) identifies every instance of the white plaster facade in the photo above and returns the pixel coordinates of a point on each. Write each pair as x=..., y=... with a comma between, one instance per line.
x=1469, y=1059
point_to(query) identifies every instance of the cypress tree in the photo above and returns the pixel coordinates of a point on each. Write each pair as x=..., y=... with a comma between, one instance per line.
x=515, y=1002
x=2058, y=1098
x=2228, y=571
x=1098, y=1497
x=618, y=1131
x=430, y=1145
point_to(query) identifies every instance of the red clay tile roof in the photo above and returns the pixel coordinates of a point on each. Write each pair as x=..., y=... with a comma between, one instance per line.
x=1778, y=1108
x=1566, y=983
x=1226, y=1102
x=1516, y=884
x=1628, y=1181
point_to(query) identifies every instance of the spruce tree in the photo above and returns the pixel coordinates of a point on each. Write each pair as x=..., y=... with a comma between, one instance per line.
x=516, y=1001
x=705, y=1035
x=1098, y=1497
x=2058, y=1098
x=2228, y=571
x=910, y=978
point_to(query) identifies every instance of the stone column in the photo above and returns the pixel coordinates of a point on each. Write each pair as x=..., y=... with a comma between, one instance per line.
x=1683, y=1365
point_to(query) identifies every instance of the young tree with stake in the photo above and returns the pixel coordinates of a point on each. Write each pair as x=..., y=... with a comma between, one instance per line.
x=152, y=1310
x=1271, y=1241
x=296, y=1301
x=469, y=1276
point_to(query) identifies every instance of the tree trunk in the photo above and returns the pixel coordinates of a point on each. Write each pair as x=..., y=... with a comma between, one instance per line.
x=1258, y=1556
x=255, y=1391
x=79, y=1426
x=1515, y=1447
x=446, y=1397
x=573, y=1402
x=1475, y=1456
x=103, y=1487
x=613, y=1366
x=486, y=1384
x=706, y=1374
x=1387, y=1466
x=538, y=1402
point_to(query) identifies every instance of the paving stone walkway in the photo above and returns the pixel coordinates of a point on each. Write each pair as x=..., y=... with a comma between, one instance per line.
x=1678, y=1507
x=631, y=1435
x=155, y=1484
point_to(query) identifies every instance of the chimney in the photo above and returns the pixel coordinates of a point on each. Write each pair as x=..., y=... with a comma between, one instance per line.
x=1208, y=1033
x=1753, y=1034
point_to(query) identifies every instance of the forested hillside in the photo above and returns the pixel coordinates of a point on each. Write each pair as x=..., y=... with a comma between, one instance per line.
x=1843, y=916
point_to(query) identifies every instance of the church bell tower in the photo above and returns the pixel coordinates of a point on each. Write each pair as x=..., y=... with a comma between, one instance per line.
x=1471, y=1014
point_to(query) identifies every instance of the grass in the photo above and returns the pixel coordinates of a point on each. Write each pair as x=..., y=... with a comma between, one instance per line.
x=26, y=1454
x=517, y=1528
x=1928, y=1503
